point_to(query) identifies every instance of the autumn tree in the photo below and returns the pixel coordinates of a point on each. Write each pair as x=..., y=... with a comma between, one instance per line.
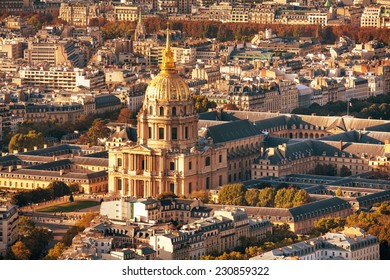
x=202, y=195
x=55, y=252
x=339, y=192
x=166, y=195
x=28, y=141
x=97, y=131
x=232, y=194
x=252, y=197
x=267, y=197
x=300, y=197
x=125, y=116
x=20, y=251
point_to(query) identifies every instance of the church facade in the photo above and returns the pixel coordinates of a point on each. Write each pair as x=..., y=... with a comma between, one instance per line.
x=168, y=155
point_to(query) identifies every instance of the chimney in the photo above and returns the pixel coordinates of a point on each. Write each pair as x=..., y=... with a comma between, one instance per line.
x=25, y=150
x=62, y=172
x=271, y=152
x=341, y=145
x=118, y=128
x=15, y=152
x=44, y=146
x=387, y=146
x=35, y=148
x=10, y=168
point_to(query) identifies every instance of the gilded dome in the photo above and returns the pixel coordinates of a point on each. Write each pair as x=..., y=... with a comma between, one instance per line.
x=168, y=85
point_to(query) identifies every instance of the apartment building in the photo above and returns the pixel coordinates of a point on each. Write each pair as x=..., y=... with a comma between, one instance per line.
x=9, y=227
x=371, y=17
x=53, y=51
x=78, y=13
x=127, y=12
x=350, y=244
x=61, y=78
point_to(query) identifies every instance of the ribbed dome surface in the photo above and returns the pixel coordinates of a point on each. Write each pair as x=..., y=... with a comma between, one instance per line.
x=168, y=86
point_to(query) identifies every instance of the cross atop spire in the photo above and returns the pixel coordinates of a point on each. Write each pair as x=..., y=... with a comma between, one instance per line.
x=168, y=59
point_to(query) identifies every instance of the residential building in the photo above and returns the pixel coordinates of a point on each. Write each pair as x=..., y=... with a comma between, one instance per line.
x=78, y=13
x=350, y=244
x=9, y=227
x=127, y=12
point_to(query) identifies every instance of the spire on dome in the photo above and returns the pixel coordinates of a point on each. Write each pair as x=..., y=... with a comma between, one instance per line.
x=168, y=62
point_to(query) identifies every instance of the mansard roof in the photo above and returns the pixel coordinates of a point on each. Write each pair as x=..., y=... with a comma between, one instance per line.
x=232, y=131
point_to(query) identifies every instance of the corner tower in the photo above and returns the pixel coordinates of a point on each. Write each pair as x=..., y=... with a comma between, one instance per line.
x=167, y=119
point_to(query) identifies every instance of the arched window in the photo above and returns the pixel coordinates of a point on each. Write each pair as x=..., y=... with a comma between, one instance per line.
x=207, y=161
x=173, y=111
x=161, y=111
x=150, y=110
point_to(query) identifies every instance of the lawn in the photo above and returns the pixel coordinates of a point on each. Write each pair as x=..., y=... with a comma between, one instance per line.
x=69, y=206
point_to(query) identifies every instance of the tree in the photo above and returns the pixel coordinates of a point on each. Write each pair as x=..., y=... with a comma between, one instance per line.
x=252, y=197
x=125, y=116
x=166, y=195
x=58, y=189
x=202, y=104
x=344, y=171
x=97, y=131
x=301, y=197
x=55, y=252
x=325, y=225
x=34, y=238
x=267, y=197
x=280, y=198
x=20, y=251
x=28, y=141
x=74, y=187
x=71, y=198
x=201, y=195
x=232, y=194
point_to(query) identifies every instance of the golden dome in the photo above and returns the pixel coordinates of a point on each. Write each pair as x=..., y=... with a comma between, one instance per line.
x=168, y=85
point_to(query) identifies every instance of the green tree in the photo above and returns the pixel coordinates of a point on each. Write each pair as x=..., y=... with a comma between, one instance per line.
x=28, y=141
x=344, y=171
x=34, y=238
x=55, y=252
x=202, y=104
x=252, y=197
x=58, y=189
x=20, y=251
x=267, y=197
x=325, y=225
x=232, y=194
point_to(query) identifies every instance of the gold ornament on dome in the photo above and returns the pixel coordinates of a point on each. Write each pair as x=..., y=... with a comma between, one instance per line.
x=168, y=85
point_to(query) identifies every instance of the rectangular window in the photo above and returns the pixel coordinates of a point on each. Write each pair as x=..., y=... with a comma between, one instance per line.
x=150, y=132
x=207, y=161
x=220, y=158
x=190, y=165
x=174, y=133
x=220, y=180
x=171, y=166
x=186, y=132
x=207, y=182
x=172, y=187
x=189, y=187
x=160, y=133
